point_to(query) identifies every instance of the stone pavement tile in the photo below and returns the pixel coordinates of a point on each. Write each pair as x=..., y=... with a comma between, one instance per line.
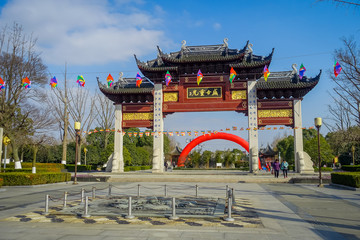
x=42, y=236
x=11, y=235
x=202, y=235
x=159, y=233
x=58, y=228
x=81, y=237
x=120, y=237
x=243, y=236
x=121, y=232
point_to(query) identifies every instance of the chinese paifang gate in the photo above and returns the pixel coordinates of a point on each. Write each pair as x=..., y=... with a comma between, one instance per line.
x=276, y=101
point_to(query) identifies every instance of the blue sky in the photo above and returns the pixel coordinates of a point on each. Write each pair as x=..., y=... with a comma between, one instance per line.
x=96, y=38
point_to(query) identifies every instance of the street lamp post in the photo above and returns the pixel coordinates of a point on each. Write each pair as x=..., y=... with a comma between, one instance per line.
x=318, y=122
x=353, y=154
x=77, y=136
x=85, y=151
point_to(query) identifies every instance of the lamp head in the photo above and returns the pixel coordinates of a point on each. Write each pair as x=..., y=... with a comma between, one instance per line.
x=77, y=126
x=318, y=122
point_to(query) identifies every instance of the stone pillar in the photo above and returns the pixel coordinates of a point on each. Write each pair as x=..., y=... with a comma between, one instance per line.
x=298, y=136
x=118, y=159
x=158, y=144
x=252, y=123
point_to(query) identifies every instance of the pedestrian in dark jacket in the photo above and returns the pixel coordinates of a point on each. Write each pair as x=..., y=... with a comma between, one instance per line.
x=276, y=168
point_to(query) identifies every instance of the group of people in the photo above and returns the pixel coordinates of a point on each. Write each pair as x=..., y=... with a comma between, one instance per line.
x=276, y=166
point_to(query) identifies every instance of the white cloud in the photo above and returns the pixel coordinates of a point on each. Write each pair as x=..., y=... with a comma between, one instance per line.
x=217, y=26
x=84, y=32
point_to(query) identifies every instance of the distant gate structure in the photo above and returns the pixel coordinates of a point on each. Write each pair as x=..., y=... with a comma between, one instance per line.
x=276, y=101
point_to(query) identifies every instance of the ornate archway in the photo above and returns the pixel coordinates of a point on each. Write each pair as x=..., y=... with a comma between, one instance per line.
x=207, y=137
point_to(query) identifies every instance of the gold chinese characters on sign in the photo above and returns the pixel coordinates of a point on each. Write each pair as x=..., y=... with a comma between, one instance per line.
x=171, y=97
x=204, y=92
x=275, y=113
x=236, y=95
x=138, y=116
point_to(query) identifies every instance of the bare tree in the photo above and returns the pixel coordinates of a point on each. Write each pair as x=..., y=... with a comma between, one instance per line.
x=59, y=102
x=18, y=60
x=81, y=109
x=346, y=110
x=105, y=115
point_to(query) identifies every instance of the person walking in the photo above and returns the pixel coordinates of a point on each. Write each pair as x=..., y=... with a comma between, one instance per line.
x=284, y=168
x=276, y=168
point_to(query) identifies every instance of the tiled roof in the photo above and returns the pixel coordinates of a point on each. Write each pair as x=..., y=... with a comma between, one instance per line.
x=286, y=80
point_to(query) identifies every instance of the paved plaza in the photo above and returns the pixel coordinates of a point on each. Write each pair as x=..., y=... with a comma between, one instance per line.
x=264, y=210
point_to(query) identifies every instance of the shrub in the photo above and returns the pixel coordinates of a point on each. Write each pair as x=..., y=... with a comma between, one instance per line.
x=323, y=169
x=80, y=168
x=29, y=170
x=19, y=178
x=351, y=168
x=1, y=182
x=136, y=168
x=351, y=179
x=51, y=167
x=291, y=168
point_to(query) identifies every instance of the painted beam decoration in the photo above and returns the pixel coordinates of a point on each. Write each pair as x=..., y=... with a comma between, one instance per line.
x=210, y=78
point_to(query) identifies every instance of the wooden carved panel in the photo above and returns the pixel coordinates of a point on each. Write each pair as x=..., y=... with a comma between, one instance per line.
x=171, y=96
x=240, y=94
x=138, y=116
x=275, y=113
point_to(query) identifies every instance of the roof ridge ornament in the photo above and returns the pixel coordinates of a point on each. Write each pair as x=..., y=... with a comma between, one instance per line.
x=226, y=45
x=294, y=71
x=183, y=44
x=249, y=48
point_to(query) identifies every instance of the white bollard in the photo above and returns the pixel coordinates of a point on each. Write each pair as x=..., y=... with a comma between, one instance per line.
x=229, y=218
x=86, y=208
x=173, y=217
x=65, y=199
x=46, y=204
x=197, y=189
x=82, y=195
x=109, y=190
x=93, y=192
x=129, y=216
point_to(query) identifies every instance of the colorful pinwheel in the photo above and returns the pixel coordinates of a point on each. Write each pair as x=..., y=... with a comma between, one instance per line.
x=266, y=73
x=26, y=83
x=337, y=69
x=110, y=80
x=81, y=81
x=301, y=71
x=53, y=82
x=138, y=80
x=2, y=84
x=167, y=78
x=199, y=77
x=232, y=75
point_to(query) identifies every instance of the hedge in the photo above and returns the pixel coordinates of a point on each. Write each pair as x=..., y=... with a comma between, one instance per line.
x=351, y=179
x=1, y=182
x=351, y=168
x=136, y=168
x=323, y=169
x=51, y=167
x=18, y=178
x=80, y=168
x=29, y=170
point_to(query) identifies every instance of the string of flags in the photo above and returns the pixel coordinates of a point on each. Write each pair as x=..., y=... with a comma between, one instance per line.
x=26, y=83
x=188, y=133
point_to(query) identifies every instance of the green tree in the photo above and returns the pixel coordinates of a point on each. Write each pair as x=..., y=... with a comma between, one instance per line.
x=195, y=158
x=286, y=148
x=206, y=157
x=18, y=59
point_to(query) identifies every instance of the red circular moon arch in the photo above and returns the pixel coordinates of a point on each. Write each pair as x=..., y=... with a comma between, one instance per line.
x=207, y=137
